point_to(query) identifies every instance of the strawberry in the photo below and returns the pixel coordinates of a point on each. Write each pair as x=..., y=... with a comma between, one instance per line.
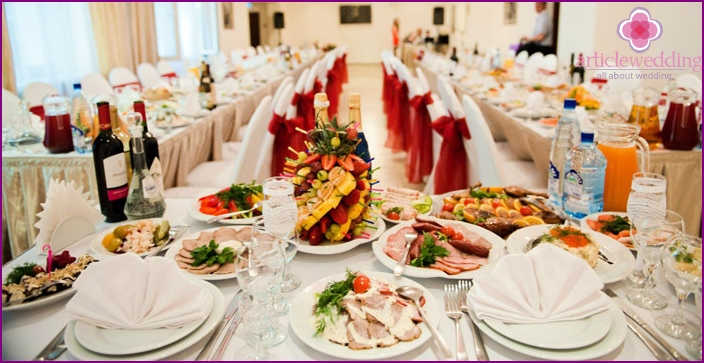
x=315, y=235
x=339, y=214
x=359, y=168
x=352, y=198
x=324, y=223
x=361, y=185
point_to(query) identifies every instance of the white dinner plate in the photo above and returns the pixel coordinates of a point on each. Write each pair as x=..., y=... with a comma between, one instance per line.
x=97, y=244
x=302, y=322
x=177, y=245
x=524, y=112
x=613, y=339
x=81, y=352
x=622, y=258
x=175, y=123
x=194, y=211
x=130, y=341
x=378, y=210
x=594, y=216
x=496, y=253
x=498, y=100
x=558, y=334
x=333, y=248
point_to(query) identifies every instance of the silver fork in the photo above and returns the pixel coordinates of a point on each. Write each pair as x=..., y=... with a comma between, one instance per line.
x=452, y=310
x=479, y=349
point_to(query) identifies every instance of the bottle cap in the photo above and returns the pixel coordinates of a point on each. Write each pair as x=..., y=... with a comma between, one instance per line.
x=76, y=86
x=587, y=136
x=570, y=103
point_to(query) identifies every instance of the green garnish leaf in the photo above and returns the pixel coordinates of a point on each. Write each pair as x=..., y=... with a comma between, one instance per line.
x=616, y=225
x=239, y=193
x=208, y=254
x=15, y=276
x=329, y=301
x=428, y=252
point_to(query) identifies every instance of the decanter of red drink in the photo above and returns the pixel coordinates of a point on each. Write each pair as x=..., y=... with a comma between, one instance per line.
x=681, y=131
x=58, y=137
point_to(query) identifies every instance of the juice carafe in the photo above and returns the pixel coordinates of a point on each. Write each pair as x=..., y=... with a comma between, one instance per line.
x=58, y=136
x=644, y=113
x=619, y=143
x=681, y=131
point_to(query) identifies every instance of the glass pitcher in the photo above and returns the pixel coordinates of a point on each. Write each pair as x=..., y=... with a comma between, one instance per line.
x=644, y=113
x=619, y=143
x=681, y=131
x=58, y=135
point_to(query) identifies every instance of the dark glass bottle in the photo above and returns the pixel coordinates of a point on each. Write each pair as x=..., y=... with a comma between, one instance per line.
x=110, y=169
x=205, y=79
x=151, y=145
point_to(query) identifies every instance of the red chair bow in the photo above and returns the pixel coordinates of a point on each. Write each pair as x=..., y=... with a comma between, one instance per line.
x=398, y=118
x=38, y=110
x=333, y=89
x=419, y=162
x=296, y=99
x=120, y=87
x=169, y=75
x=452, y=166
x=284, y=131
x=343, y=67
x=546, y=72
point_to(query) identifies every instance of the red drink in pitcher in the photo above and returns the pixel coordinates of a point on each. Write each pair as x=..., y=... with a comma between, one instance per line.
x=58, y=137
x=681, y=131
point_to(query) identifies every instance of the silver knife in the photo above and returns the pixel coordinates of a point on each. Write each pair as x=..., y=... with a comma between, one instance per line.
x=235, y=321
x=638, y=320
x=54, y=349
x=652, y=345
x=232, y=308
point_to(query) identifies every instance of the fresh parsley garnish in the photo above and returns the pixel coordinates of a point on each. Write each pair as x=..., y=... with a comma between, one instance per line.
x=428, y=251
x=616, y=225
x=239, y=193
x=329, y=301
x=18, y=272
x=208, y=254
x=396, y=210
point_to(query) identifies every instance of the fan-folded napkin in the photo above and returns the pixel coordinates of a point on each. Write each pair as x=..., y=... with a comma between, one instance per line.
x=190, y=105
x=544, y=285
x=127, y=292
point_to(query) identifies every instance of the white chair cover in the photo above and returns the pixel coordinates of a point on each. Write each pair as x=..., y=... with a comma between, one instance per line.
x=690, y=80
x=274, y=101
x=263, y=167
x=35, y=92
x=301, y=82
x=312, y=75
x=93, y=84
x=521, y=58
x=549, y=63
x=164, y=67
x=267, y=48
x=149, y=76
x=120, y=76
x=10, y=103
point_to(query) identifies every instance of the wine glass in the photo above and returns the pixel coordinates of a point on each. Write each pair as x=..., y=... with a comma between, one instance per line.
x=280, y=214
x=682, y=259
x=646, y=199
x=260, y=266
x=649, y=237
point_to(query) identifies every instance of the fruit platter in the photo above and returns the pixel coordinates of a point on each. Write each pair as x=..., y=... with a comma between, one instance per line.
x=501, y=210
x=402, y=204
x=237, y=197
x=332, y=186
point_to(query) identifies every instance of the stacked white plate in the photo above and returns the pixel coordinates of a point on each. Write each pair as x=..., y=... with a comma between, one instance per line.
x=88, y=342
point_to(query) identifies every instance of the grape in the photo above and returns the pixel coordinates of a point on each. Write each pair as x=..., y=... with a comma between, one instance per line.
x=323, y=175
x=335, y=228
x=317, y=184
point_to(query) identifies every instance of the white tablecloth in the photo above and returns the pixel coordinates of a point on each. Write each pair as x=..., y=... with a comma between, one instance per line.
x=25, y=334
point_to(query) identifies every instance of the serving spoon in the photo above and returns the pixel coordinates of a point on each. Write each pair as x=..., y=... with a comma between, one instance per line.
x=414, y=294
x=401, y=263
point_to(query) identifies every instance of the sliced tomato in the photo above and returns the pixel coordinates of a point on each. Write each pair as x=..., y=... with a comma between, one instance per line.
x=393, y=216
x=232, y=206
x=457, y=236
x=447, y=207
x=448, y=231
x=208, y=210
x=222, y=211
x=220, y=204
x=210, y=201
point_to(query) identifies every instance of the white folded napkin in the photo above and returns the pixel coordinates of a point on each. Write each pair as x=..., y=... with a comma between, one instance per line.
x=127, y=292
x=544, y=285
x=535, y=100
x=190, y=105
x=228, y=86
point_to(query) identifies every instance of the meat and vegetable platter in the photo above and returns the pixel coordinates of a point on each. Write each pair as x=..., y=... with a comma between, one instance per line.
x=442, y=248
x=501, y=210
x=359, y=315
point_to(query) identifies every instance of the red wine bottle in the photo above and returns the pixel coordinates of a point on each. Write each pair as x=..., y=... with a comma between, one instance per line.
x=110, y=169
x=151, y=145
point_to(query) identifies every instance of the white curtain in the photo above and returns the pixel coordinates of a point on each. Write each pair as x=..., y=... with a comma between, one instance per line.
x=197, y=30
x=51, y=43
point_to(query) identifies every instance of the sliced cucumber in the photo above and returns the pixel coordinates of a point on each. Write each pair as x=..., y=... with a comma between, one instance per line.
x=161, y=233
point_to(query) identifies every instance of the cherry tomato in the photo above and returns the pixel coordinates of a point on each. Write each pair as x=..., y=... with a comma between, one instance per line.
x=447, y=207
x=448, y=231
x=38, y=269
x=393, y=216
x=457, y=236
x=361, y=284
x=526, y=211
x=466, y=201
x=496, y=204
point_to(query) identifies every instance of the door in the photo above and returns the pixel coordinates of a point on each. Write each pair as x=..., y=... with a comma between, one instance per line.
x=254, y=38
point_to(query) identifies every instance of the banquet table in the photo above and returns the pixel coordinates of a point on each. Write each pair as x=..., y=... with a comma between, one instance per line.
x=531, y=141
x=26, y=176
x=26, y=333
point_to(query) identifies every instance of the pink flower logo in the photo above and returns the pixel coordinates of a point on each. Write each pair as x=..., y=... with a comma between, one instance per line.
x=639, y=29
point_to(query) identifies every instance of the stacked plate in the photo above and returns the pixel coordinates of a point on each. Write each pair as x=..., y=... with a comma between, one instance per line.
x=587, y=338
x=88, y=342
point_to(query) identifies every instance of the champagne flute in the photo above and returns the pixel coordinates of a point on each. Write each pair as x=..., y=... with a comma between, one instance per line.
x=259, y=267
x=649, y=238
x=646, y=199
x=682, y=259
x=280, y=214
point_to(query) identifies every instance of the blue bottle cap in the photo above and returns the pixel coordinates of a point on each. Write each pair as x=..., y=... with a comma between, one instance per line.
x=76, y=86
x=570, y=103
x=587, y=137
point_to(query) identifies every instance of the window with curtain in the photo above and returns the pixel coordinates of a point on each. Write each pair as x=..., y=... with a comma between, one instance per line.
x=186, y=31
x=51, y=43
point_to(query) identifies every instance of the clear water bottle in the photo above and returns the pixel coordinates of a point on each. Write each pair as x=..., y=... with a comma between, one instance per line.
x=566, y=137
x=81, y=120
x=585, y=170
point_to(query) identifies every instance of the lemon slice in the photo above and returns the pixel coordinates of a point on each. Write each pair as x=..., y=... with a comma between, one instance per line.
x=521, y=223
x=533, y=220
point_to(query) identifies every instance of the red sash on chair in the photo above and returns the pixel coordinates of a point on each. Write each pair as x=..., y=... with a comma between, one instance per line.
x=168, y=76
x=284, y=132
x=546, y=72
x=343, y=62
x=451, y=170
x=119, y=87
x=38, y=110
x=419, y=161
x=398, y=118
x=333, y=89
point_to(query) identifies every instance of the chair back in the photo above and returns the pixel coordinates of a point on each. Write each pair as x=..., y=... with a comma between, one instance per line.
x=148, y=75
x=422, y=81
x=247, y=159
x=93, y=84
x=690, y=80
x=10, y=103
x=274, y=101
x=484, y=160
x=263, y=167
x=35, y=92
x=267, y=48
x=449, y=98
x=312, y=75
x=121, y=77
x=549, y=64
x=260, y=50
x=301, y=82
x=165, y=69
x=521, y=58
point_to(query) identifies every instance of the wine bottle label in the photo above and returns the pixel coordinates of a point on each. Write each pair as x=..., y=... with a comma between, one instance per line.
x=157, y=175
x=115, y=177
x=149, y=187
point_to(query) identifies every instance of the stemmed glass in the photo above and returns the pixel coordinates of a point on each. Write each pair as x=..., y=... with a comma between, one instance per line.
x=260, y=267
x=649, y=237
x=682, y=258
x=280, y=214
x=648, y=200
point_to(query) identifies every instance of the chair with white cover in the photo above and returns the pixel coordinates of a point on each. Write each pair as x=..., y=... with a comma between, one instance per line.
x=548, y=64
x=165, y=69
x=236, y=55
x=10, y=103
x=300, y=86
x=219, y=174
x=267, y=48
x=260, y=50
x=530, y=71
x=277, y=94
x=94, y=84
x=436, y=110
x=312, y=76
x=35, y=92
x=251, y=51
x=149, y=76
x=268, y=153
x=121, y=77
x=521, y=58
x=691, y=81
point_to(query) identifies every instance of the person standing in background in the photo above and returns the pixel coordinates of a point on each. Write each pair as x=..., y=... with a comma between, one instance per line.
x=394, y=35
x=541, y=40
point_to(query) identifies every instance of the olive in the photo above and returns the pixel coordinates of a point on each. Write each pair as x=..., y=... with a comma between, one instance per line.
x=122, y=231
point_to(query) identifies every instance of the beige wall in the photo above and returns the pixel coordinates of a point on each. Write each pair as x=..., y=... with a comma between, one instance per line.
x=238, y=37
x=486, y=28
